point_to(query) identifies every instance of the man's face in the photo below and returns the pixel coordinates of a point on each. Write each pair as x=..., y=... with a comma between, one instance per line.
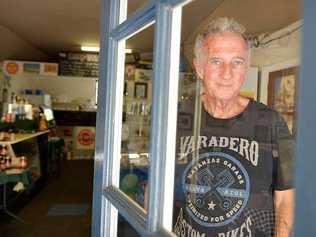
x=223, y=66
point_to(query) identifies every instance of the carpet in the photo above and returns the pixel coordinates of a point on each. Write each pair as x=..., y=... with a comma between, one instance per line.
x=68, y=210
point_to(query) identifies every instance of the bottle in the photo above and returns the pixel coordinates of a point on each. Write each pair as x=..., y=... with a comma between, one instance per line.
x=4, y=95
x=23, y=162
x=2, y=162
x=42, y=123
x=3, y=150
x=8, y=162
x=12, y=98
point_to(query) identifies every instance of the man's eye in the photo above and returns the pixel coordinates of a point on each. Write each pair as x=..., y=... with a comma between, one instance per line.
x=215, y=61
x=238, y=62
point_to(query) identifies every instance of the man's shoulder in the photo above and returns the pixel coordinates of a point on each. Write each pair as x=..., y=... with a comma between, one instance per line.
x=263, y=111
x=259, y=105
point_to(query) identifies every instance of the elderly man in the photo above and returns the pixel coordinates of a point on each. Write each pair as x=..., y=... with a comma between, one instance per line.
x=238, y=181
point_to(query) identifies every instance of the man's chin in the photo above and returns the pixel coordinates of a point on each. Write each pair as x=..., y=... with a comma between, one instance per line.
x=224, y=97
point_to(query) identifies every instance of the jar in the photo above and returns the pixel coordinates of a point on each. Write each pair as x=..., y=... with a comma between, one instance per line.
x=23, y=162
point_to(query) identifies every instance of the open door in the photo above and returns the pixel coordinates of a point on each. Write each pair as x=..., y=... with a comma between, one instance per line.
x=108, y=199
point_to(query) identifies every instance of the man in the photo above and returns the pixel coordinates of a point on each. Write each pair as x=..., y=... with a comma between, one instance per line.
x=238, y=181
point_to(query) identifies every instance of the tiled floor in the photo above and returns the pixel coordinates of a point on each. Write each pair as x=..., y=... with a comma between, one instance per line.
x=74, y=186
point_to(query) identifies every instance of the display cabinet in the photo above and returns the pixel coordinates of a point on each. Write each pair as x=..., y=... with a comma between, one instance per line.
x=23, y=166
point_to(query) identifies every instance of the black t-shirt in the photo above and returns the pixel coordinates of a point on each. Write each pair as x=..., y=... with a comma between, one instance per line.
x=226, y=176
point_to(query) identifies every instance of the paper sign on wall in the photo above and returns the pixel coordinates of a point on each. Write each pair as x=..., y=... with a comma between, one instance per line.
x=84, y=138
x=13, y=68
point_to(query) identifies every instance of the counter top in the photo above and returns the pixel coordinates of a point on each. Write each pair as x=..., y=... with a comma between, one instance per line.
x=19, y=137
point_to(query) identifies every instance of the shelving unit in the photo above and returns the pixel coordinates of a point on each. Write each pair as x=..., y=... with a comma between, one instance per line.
x=137, y=110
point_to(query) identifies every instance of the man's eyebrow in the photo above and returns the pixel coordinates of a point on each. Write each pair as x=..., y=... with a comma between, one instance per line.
x=214, y=57
x=240, y=58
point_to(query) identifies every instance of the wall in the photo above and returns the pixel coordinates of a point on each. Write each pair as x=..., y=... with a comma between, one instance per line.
x=279, y=54
x=14, y=47
x=282, y=50
x=63, y=89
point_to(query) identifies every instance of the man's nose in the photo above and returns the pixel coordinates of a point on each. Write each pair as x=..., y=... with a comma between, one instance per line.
x=227, y=73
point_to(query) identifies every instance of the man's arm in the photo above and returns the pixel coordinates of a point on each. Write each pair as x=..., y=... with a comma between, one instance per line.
x=284, y=212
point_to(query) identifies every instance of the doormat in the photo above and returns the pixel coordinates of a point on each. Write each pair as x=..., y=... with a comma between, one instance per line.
x=68, y=210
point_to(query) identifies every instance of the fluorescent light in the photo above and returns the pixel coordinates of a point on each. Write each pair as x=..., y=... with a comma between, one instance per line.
x=97, y=49
x=90, y=48
x=128, y=50
x=133, y=155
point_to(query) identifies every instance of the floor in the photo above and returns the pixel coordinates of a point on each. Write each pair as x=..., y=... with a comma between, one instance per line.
x=73, y=186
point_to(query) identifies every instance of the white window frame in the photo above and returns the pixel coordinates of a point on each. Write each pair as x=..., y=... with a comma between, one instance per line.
x=107, y=197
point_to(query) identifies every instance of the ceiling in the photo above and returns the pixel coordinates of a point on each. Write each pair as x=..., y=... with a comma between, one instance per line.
x=64, y=25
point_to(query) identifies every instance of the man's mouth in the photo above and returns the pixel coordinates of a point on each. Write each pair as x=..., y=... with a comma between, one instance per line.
x=224, y=85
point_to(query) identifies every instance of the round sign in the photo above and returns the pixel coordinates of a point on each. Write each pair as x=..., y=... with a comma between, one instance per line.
x=12, y=68
x=85, y=137
x=216, y=187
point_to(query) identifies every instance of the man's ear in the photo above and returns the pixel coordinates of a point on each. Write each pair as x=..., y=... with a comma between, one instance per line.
x=198, y=68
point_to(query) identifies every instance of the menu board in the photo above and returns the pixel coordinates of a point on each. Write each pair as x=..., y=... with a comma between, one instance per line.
x=79, y=64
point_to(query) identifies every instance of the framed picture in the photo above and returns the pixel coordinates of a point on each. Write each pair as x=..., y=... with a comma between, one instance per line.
x=143, y=74
x=130, y=72
x=185, y=121
x=140, y=90
x=250, y=86
x=282, y=93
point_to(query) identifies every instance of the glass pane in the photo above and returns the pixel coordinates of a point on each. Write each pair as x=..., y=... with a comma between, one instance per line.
x=136, y=120
x=235, y=156
x=134, y=5
x=124, y=229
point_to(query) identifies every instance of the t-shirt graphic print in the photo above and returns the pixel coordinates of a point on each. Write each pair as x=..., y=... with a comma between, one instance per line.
x=230, y=173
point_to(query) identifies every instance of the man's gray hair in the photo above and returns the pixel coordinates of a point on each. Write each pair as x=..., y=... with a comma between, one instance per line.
x=219, y=25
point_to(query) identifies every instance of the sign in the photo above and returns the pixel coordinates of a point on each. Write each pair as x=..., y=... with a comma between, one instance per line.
x=13, y=68
x=84, y=138
x=79, y=64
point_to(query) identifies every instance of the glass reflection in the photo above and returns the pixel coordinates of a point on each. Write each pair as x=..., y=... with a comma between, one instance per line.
x=235, y=155
x=134, y=5
x=137, y=97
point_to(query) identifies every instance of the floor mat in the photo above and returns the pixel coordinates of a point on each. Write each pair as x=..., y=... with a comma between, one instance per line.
x=68, y=210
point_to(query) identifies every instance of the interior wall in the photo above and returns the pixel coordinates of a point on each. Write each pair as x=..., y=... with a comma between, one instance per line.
x=285, y=49
x=63, y=89
x=279, y=54
x=15, y=48
x=253, y=14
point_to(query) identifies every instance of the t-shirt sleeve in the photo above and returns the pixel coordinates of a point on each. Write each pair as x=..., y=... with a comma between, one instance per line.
x=283, y=155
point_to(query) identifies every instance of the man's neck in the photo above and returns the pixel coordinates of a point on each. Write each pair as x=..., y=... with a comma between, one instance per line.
x=225, y=109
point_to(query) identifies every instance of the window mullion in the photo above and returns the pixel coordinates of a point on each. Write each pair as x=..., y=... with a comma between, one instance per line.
x=164, y=114
x=104, y=220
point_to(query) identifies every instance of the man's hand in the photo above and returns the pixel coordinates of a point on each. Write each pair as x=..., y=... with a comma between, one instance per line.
x=284, y=212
